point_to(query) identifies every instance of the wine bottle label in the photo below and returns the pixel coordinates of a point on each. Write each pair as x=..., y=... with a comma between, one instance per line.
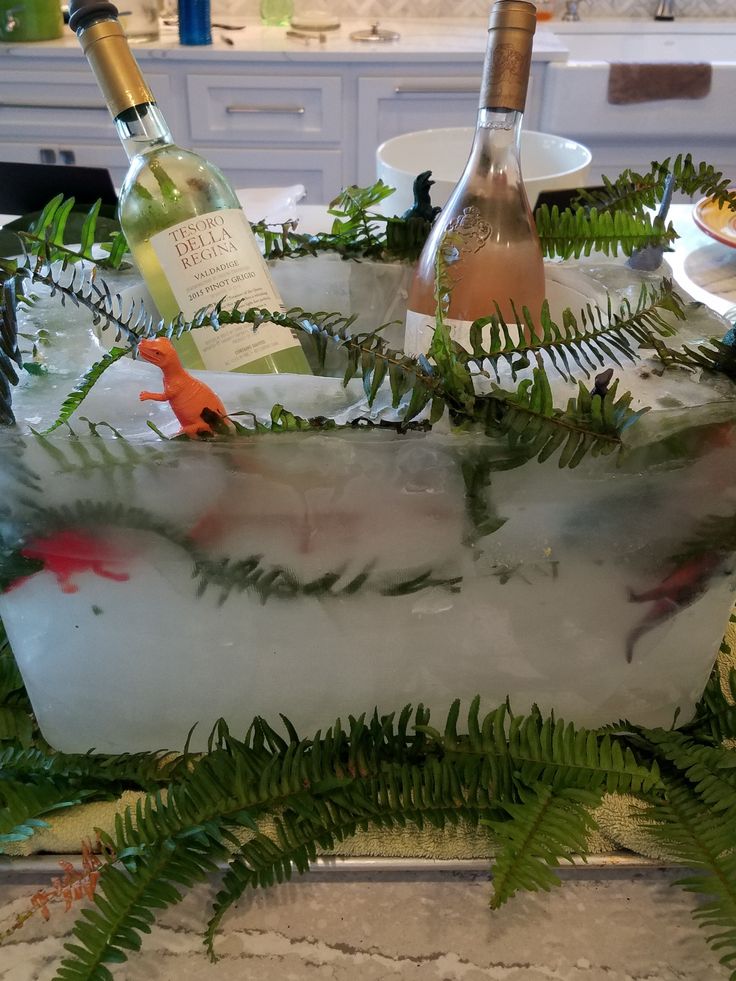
x=214, y=258
x=420, y=328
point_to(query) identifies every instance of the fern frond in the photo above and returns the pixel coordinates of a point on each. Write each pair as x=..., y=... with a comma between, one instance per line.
x=549, y=751
x=575, y=232
x=711, y=770
x=369, y=773
x=715, y=713
x=87, y=771
x=16, y=722
x=46, y=236
x=368, y=355
x=546, y=825
x=10, y=357
x=72, y=402
x=231, y=576
x=531, y=422
x=634, y=192
x=690, y=831
x=435, y=792
x=717, y=356
x=85, y=289
x=589, y=339
x=125, y=897
x=25, y=804
x=108, y=457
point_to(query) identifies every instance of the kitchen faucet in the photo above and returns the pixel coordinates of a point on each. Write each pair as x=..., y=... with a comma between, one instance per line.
x=571, y=11
x=665, y=10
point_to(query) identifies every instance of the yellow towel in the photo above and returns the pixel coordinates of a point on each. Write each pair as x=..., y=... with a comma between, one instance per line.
x=617, y=828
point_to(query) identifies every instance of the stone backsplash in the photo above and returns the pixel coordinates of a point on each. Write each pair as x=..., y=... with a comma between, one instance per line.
x=367, y=9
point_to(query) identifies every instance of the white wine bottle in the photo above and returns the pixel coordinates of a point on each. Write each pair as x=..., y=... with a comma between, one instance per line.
x=484, y=242
x=183, y=222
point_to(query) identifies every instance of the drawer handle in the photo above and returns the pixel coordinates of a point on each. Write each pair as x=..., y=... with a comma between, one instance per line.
x=293, y=110
x=40, y=105
x=433, y=90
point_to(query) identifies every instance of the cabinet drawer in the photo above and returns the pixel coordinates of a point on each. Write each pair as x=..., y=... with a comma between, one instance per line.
x=320, y=171
x=60, y=104
x=391, y=105
x=400, y=104
x=265, y=109
x=61, y=152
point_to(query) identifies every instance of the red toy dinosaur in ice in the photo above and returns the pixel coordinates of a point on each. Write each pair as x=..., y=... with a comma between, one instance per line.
x=195, y=405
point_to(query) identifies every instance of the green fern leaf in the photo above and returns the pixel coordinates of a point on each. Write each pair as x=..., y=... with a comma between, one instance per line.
x=10, y=356
x=72, y=402
x=46, y=236
x=546, y=825
x=16, y=721
x=716, y=356
x=715, y=713
x=710, y=769
x=126, y=897
x=434, y=792
x=25, y=804
x=575, y=232
x=89, y=226
x=696, y=836
x=545, y=750
x=532, y=423
x=634, y=192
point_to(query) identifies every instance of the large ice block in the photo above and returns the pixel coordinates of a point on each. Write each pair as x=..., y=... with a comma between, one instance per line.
x=158, y=584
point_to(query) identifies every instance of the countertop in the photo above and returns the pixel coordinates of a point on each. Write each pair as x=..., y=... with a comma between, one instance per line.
x=617, y=919
x=422, y=40
x=365, y=922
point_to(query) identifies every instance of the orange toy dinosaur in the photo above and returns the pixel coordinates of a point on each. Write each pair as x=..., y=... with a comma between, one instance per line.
x=193, y=402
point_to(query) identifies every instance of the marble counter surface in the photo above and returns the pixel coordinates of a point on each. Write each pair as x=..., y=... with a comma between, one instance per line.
x=621, y=925
x=421, y=39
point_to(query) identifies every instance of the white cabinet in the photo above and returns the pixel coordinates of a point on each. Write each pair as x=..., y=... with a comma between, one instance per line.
x=273, y=109
x=268, y=119
x=390, y=105
x=320, y=171
x=52, y=112
x=399, y=104
x=270, y=128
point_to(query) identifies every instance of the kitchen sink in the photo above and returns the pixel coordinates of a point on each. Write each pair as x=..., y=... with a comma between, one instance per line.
x=652, y=45
x=576, y=92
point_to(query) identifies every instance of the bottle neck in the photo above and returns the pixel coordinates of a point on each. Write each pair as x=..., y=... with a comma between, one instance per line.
x=496, y=144
x=142, y=129
x=508, y=59
x=138, y=120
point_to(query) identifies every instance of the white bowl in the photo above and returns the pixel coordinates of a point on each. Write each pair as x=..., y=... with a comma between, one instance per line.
x=549, y=163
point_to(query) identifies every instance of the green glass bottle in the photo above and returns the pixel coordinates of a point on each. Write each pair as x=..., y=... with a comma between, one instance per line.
x=276, y=13
x=182, y=219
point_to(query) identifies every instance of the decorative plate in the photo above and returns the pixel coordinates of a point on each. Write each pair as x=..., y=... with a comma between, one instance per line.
x=719, y=223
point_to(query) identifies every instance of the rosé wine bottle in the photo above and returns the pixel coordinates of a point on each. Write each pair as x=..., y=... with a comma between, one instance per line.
x=485, y=238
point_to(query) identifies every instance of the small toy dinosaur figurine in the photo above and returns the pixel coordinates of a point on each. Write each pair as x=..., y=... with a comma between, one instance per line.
x=422, y=207
x=195, y=405
x=408, y=234
x=68, y=553
x=681, y=588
